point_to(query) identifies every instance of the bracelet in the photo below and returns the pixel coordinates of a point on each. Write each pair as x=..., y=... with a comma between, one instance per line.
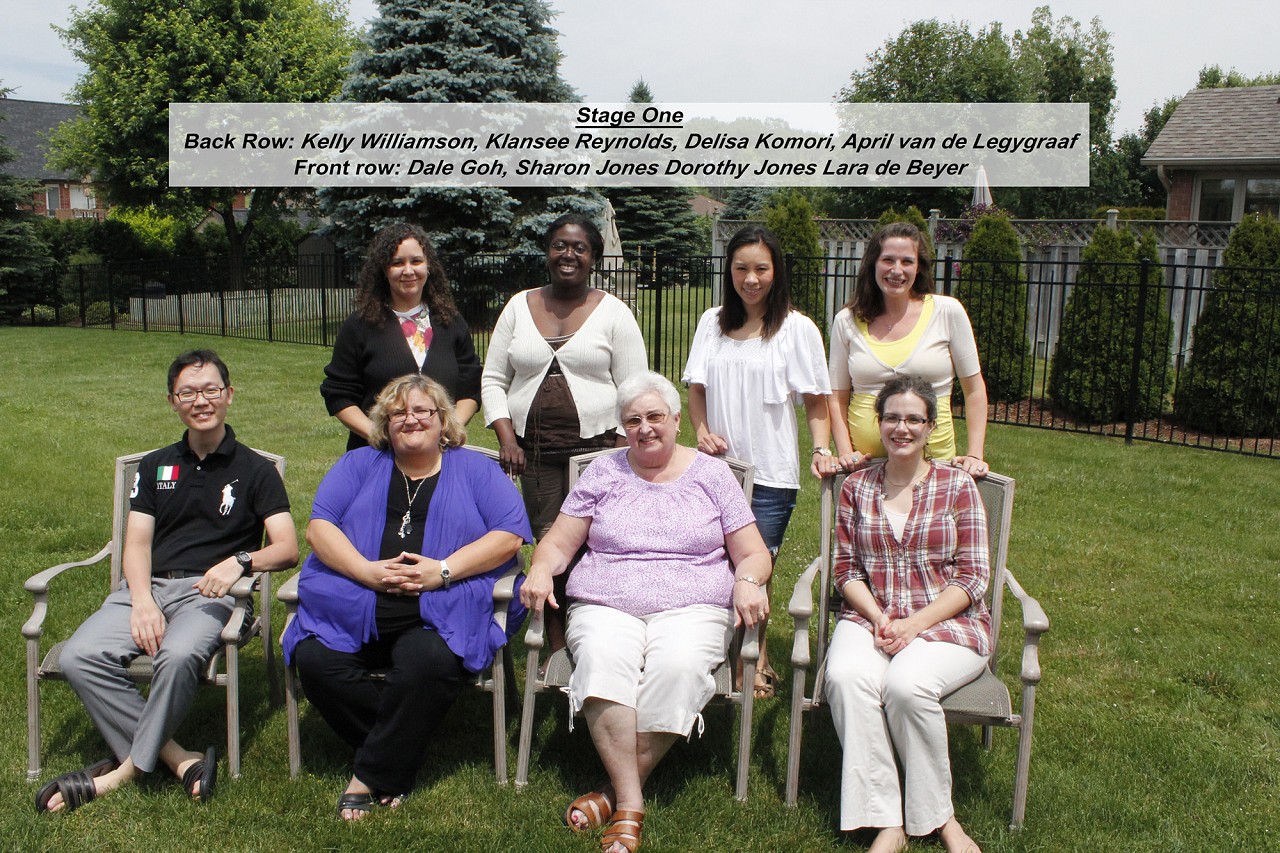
x=748, y=579
x=822, y=451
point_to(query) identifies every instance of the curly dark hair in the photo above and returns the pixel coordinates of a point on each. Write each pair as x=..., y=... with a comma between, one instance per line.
x=777, y=304
x=868, y=302
x=373, y=294
x=908, y=385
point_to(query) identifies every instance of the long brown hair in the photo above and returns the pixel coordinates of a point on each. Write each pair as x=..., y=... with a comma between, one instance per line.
x=868, y=302
x=373, y=297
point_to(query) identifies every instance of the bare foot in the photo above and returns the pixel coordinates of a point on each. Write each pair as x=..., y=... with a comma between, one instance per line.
x=890, y=840
x=103, y=784
x=956, y=840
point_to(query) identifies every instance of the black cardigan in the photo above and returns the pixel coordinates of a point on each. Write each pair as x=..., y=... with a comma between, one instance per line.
x=366, y=358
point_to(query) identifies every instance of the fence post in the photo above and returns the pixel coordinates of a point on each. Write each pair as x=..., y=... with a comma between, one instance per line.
x=658, y=276
x=84, y=311
x=948, y=264
x=1135, y=369
x=271, y=325
x=111, y=300
x=324, y=301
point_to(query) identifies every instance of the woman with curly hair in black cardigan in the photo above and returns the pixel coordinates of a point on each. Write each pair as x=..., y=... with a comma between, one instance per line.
x=405, y=322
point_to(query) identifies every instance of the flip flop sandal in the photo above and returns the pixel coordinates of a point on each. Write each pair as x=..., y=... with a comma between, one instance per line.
x=357, y=803
x=595, y=806
x=76, y=787
x=206, y=773
x=625, y=830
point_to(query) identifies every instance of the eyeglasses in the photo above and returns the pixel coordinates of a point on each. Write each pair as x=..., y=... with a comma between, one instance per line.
x=581, y=249
x=401, y=416
x=911, y=420
x=652, y=419
x=188, y=395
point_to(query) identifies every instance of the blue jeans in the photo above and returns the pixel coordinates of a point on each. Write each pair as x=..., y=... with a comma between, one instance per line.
x=772, y=508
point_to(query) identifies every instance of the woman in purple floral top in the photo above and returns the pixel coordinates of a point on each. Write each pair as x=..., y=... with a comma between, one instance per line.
x=673, y=562
x=912, y=568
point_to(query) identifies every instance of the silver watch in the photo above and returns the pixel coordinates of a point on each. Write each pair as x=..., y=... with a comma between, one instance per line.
x=444, y=574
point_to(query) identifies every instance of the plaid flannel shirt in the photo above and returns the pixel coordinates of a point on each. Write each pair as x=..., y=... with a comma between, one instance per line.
x=944, y=543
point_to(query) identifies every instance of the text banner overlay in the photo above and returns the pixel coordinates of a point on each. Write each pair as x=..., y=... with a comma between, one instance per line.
x=642, y=145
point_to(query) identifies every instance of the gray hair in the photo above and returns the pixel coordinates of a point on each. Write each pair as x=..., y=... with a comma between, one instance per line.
x=647, y=382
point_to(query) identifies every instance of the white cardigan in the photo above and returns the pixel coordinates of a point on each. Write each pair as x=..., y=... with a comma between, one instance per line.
x=604, y=352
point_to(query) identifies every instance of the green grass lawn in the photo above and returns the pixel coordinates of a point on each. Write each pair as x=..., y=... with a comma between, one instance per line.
x=1158, y=724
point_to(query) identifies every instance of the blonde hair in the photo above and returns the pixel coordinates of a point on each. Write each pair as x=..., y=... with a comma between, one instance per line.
x=396, y=396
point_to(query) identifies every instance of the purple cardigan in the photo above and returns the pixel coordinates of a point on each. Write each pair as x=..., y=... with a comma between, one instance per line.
x=472, y=498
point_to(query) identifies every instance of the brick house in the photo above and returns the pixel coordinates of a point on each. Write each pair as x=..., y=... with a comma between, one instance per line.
x=1219, y=154
x=26, y=128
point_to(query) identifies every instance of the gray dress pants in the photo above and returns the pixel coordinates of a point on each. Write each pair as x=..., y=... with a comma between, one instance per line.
x=97, y=656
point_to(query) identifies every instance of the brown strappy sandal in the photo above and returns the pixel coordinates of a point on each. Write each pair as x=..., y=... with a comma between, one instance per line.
x=624, y=829
x=595, y=806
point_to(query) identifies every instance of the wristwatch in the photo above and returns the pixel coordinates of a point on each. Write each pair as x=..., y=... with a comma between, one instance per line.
x=444, y=574
x=822, y=451
x=246, y=563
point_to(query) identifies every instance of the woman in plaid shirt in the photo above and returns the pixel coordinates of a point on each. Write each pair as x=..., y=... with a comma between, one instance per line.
x=912, y=568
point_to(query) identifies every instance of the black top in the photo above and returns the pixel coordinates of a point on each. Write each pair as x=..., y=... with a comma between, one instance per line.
x=366, y=358
x=207, y=509
x=398, y=612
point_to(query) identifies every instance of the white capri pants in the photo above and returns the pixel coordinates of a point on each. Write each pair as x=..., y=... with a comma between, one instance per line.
x=879, y=703
x=660, y=664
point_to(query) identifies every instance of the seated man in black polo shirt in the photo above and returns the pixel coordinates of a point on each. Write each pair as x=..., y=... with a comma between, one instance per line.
x=197, y=515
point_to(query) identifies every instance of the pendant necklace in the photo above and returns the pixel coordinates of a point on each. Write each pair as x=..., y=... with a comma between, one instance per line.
x=405, y=526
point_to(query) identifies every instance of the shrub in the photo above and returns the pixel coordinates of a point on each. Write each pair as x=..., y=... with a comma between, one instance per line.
x=995, y=297
x=97, y=314
x=1089, y=378
x=1232, y=384
x=43, y=315
x=790, y=217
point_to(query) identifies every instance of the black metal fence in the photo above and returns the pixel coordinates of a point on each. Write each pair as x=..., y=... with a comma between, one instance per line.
x=1099, y=348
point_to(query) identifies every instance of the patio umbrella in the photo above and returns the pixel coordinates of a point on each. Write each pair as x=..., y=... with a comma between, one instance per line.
x=981, y=189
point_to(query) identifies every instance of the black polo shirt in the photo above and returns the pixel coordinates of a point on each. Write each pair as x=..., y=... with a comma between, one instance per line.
x=205, y=509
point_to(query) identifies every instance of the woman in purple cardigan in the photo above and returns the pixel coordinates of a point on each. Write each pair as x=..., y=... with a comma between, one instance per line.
x=408, y=538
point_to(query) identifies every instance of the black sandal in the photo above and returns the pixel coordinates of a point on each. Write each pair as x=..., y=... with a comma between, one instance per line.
x=76, y=787
x=206, y=773
x=357, y=803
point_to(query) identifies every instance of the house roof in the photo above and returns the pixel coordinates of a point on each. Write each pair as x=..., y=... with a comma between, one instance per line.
x=1221, y=127
x=25, y=129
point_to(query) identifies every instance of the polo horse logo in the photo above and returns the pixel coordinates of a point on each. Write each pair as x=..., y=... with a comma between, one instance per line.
x=228, y=499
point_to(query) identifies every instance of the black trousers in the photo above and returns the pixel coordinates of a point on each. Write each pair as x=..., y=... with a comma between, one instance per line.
x=388, y=722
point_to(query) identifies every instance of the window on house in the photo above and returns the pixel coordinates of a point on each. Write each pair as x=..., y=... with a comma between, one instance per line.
x=1262, y=195
x=51, y=198
x=80, y=200
x=1217, y=199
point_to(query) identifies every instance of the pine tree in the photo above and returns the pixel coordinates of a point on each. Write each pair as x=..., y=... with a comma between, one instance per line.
x=1090, y=375
x=23, y=256
x=655, y=221
x=451, y=51
x=1231, y=385
x=995, y=297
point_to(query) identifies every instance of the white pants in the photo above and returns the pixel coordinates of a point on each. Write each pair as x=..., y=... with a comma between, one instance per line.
x=660, y=664
x=880, y=703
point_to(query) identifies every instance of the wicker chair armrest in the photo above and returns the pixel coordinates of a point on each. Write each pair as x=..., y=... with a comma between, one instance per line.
x=1034, y=623
x=38, y=586
x=801, y=610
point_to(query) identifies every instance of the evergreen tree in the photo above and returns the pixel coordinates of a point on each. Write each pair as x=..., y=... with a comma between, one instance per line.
x=746, y=202
x=657, y=220
x=1089, y=378
x=790, y=217
x=1231, y=386
x=23, y=256
x=451, y=51
x=995, y=297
